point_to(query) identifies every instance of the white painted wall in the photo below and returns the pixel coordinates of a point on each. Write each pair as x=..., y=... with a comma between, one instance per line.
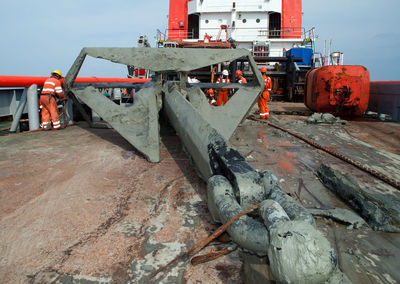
x=246, y=29
x=200, y=6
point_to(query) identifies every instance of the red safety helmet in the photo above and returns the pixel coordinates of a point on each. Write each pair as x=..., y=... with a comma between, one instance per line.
x=263, y=70
x=238, y=73
x=210, y=92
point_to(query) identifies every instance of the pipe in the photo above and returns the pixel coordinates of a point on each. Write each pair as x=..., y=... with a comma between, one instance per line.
x=18, y=112
x=245, y=231
x=33, y=107
x=26, y=81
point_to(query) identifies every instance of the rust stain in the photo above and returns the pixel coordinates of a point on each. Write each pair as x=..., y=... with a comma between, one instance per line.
x=285, y=143
x=290, y=155
x=285, y=166
x=264, y=141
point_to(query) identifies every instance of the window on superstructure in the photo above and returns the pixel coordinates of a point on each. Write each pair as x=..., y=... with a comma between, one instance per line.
x=244, y=21
x=258, y=21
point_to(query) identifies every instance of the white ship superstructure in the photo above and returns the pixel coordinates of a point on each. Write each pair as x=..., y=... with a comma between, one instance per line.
x=267, y=27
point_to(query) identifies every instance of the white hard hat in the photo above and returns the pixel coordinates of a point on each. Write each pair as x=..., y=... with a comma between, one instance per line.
x=225, y=72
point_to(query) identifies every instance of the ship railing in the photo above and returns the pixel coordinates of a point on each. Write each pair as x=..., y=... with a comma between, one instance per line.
x=288, y=33
x=179, y=34
x=264, y=34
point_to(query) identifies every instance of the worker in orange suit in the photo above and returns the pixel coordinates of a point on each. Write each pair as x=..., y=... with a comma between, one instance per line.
x=210, y=97
x=240, y=78
x=263, y=100
x=47, y=101
x=223, y=94
x=207, y=38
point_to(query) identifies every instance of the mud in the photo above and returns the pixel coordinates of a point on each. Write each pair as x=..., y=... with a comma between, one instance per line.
x=300, y=254
x=272, y=213
x=324, y=118
x=138, y=123
x=247, y=232
x=99, y=217
x=342, y=215
x=169, y=61
x=294, y=210
x=225, y=119
x=381, y=211
x=364, y=255
x=166, y=59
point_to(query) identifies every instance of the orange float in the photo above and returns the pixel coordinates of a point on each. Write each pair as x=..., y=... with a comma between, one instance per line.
x=339, y=89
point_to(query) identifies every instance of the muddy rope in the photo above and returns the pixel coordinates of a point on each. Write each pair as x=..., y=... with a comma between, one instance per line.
x=375, y=173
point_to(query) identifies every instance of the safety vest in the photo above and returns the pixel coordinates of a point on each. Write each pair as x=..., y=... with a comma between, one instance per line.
x=268, y=83
x=223, y=81
x=52, y=86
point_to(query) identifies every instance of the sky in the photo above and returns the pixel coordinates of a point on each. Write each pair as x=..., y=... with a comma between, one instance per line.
x=40, y=36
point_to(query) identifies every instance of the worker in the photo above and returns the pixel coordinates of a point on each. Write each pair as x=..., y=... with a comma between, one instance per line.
x=240, y=78
x=210, y=97
x=223, y=94
x=263, y=100
x=49, y=111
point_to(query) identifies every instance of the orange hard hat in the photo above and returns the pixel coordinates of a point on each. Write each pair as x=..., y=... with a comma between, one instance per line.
x=238, y=73
x=263, y=70
x=210, y=92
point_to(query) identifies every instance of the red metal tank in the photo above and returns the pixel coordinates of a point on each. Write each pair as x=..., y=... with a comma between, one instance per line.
x=339, y=89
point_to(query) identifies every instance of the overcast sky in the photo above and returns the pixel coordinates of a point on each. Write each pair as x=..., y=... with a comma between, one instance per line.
x=40, y=36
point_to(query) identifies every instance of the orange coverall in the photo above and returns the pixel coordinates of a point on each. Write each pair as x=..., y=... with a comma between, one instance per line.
x=242, y=80
x=222, y=97
x=47, y=101
x=263, y=100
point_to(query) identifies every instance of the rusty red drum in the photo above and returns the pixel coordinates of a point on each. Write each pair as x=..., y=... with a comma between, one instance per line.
x=339, y=89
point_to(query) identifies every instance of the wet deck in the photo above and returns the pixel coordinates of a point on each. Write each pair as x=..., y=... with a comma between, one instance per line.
x=81, y=204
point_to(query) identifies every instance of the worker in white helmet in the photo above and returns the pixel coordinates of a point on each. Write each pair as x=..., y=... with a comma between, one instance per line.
x=49, y=111
x=223, y=94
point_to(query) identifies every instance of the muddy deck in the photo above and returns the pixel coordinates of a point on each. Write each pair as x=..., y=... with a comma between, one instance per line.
x=82, y=205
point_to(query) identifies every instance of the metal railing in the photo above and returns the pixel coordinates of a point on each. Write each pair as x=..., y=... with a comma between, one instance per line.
x=178, y=33
x=287, y=33
x=283, y=33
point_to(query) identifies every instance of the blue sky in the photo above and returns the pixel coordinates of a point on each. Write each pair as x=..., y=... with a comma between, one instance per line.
x=40, y=36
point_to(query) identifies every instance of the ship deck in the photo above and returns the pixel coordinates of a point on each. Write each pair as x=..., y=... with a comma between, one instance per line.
x=82, y=204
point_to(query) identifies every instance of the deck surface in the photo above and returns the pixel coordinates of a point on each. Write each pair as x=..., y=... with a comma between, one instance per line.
x=81, y=204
